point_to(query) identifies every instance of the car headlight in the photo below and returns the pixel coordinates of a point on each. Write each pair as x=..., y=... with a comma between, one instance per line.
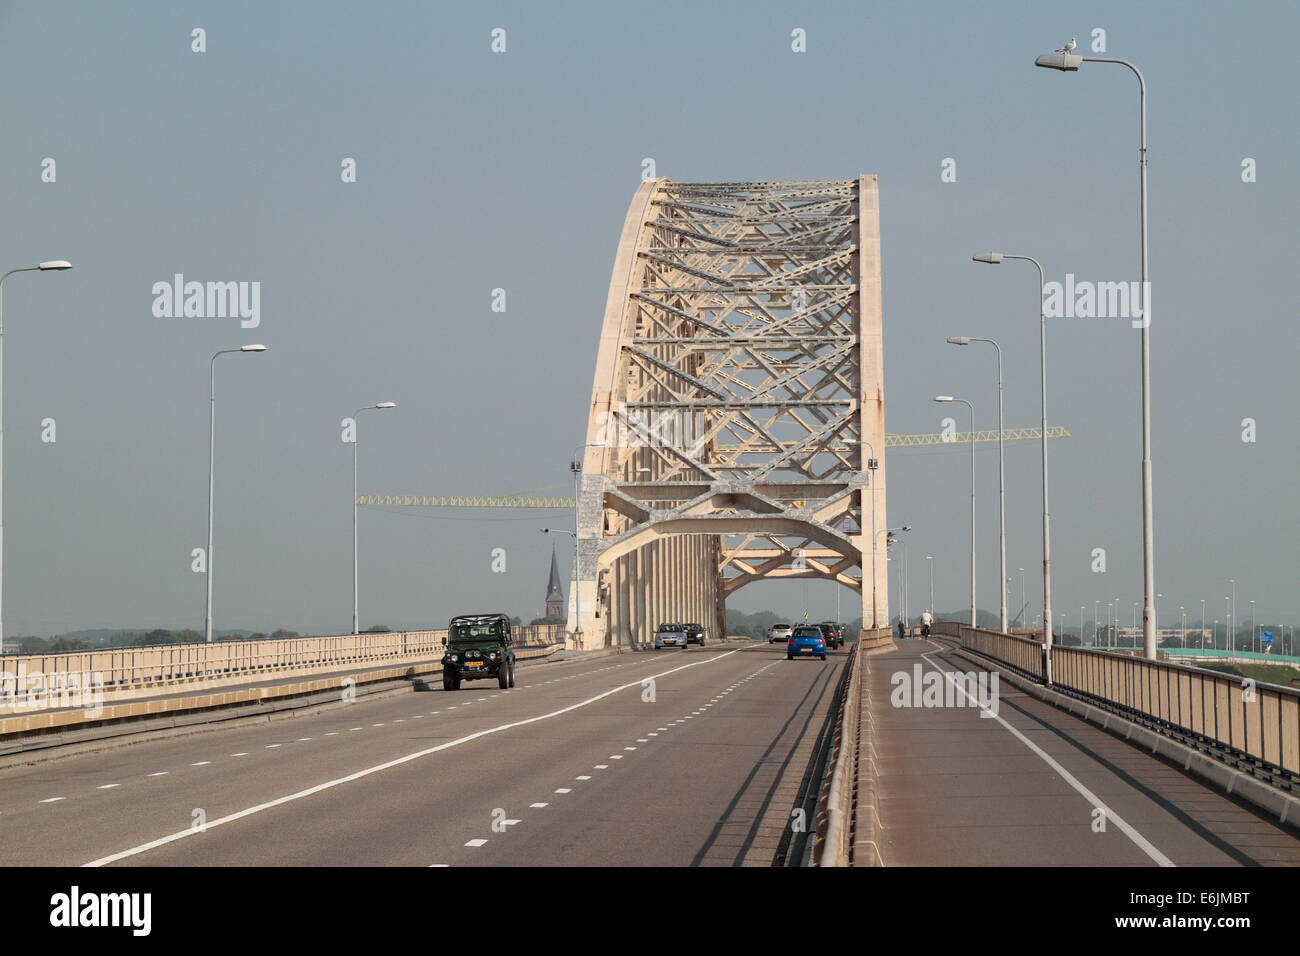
x=454, y=658
x=492, y=656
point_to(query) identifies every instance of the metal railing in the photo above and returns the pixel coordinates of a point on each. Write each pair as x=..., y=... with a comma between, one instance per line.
x=29, y=680
x=1231, y=716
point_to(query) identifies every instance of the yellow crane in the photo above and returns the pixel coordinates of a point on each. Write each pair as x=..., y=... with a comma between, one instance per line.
x=557, y=503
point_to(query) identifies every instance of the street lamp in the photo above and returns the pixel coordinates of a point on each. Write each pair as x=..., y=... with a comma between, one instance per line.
x=949, y=398
x=872, y=465
x=930, y=558
x=54, y=265
x=356, y=616
x=212, y=446
x=995, y=258
x=1252, y=625
x=1002, y=485
x=890, y=534
x=1203, y=628
x=1070, y=63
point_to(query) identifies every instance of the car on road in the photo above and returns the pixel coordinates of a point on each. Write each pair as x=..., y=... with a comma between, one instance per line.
x=779, y=632
x=479, y=647
x=670, y=635
x=834, y=634
x=806, y=641
x=694, y=634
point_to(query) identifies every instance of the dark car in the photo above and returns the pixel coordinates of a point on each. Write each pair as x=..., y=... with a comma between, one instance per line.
x=806, y=641
x=694, y=634
x=479, y=646
x=833, y=633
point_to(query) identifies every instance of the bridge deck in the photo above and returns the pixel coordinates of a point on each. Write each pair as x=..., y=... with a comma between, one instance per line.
x=953, y=788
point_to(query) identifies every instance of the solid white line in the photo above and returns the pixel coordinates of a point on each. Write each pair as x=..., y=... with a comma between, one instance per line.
x=1141, y=842
x=329, y=784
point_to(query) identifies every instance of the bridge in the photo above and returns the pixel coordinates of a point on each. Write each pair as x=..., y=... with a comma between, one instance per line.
x=735, y=434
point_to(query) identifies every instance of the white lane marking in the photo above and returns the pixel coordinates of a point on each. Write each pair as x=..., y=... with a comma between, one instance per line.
x=653, y=735
x=244, y=754
x=271, y=746
x=583, y=777
x=301, y=739
x=601, y=766
x=160, y=773
x=510, y=823
x=354, y=728
x=476, y=842
x=629, y=748
x=538, y=806
x=561, y=790
x=201, y=763
x=376, y=725
x=396, y=720
x=441, y=866
x=1141, y=842
x=643, y=740
x=108, y=786
x=53, y=799
x=417, y=716
x=378, y=768
x=332, y=733
x=614, y=757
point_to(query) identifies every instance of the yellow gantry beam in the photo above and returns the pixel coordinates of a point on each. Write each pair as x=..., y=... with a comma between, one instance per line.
x=559, y=503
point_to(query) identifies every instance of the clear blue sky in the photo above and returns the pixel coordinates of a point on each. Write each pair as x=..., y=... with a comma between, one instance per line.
x=479, y=171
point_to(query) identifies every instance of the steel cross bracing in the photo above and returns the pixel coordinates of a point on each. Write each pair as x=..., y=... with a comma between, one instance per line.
x=729, y=400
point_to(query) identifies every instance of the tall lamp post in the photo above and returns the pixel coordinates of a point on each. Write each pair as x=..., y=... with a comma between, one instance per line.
x=995, y=258
x=930, y=559
x=54, y=265
x=1070, y=63
x=891, y=533
x=575, y=466
x=1002, y=485
x=949, y=398
x=356, y=607
x=212, y=447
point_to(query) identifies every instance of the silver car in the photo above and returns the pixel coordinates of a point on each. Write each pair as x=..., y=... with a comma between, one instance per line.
x=670, y=635
x=779, y=632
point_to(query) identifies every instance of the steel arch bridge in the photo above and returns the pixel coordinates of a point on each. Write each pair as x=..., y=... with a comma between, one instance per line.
x=736, y=428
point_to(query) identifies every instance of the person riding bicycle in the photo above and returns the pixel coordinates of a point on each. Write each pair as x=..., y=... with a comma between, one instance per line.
x=926, y=620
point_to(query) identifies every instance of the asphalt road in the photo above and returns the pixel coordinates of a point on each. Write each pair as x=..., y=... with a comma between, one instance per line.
x=1035, y=786
x=582, y=763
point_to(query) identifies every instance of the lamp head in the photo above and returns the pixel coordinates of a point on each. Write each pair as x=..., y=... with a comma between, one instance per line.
x=959, y=340
x=252, y=348
x=992, y=258
x=943, y=398
x=1065, y=62
x=55, y=265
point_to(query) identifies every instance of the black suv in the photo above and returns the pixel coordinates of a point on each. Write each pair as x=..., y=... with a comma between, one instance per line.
x=478, y=646
x=833, y=632
x=694, y=634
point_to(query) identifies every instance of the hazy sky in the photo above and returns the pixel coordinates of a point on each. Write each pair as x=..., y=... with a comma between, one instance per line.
x=479, y=170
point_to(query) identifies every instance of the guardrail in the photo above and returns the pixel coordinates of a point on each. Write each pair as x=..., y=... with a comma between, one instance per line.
x=1232, y=716
x=29, y=681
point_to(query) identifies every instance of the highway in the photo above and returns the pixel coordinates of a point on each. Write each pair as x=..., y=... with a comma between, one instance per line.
x=582, y=763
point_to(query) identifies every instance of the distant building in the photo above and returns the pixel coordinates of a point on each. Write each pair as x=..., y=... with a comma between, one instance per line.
x=554, y=593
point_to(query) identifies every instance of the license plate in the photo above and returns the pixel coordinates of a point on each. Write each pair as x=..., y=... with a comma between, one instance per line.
x=475, y=664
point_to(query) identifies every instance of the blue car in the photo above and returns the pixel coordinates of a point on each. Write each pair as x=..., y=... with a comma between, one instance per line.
x=806, y=641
